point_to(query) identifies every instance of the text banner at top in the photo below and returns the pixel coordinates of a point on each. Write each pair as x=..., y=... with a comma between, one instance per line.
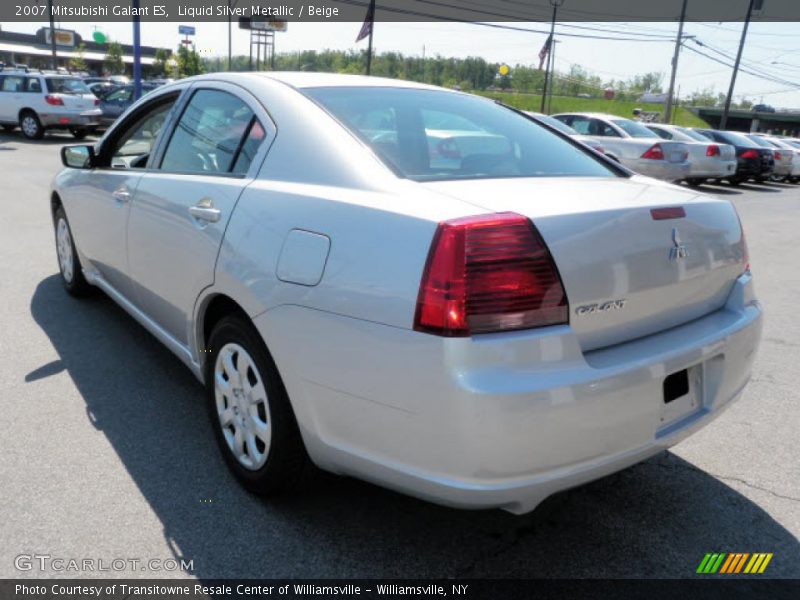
x=98, y=11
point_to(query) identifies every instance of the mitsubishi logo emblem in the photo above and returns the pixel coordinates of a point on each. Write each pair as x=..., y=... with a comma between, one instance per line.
x=678, y=250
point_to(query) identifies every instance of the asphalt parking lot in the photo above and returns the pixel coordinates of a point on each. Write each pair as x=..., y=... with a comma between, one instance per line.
x=106, y=451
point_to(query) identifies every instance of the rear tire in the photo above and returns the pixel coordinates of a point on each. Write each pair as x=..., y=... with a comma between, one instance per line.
x=695, y=182
x=736, y=181
x=79, y=133
x=31, y=126
x=69, y=264
x=250, y=412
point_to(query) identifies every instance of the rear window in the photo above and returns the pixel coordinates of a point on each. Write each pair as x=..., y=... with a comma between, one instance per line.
x=65, y=85
x=693, y=134
x=737, y=140
x=634, y=129
x=429, y=135
x=761, y=141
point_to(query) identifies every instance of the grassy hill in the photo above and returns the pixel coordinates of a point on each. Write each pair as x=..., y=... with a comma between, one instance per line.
x=532, y=102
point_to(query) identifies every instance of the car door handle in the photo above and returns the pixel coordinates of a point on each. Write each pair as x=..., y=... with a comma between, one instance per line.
x=205, y=213
x=121, y=195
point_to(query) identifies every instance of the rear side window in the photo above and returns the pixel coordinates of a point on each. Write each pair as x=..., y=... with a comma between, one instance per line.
x=33, y=85
x=634, y=129
x=662, y=133
x=428, y=135
x=693, y=134
x=735, y=139
x=217, y=133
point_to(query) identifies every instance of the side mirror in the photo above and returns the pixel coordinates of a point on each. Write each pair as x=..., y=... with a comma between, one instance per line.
x=78, y=157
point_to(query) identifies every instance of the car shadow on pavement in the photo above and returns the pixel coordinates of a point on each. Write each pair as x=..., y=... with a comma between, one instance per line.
x=657, y=519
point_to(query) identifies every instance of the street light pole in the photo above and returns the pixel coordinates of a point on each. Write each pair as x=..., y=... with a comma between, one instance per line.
x=723, y=122
x=52, y=34
x=555, y=4
x=678, y=43
x=137, y=53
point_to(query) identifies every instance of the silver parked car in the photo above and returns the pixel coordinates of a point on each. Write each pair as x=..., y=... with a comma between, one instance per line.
x=707, y=160
x=38, y=101
x=564, y=128
x=633, y=144
x=410, y=285
x=784, y=158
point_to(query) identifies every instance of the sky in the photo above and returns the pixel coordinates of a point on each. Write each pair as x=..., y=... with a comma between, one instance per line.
x=773, y=49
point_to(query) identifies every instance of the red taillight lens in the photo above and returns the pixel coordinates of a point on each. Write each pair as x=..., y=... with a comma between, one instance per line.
x=489, y=273
x=712, y=150
x=670, y=212
x=97, y=101
x=778, y=155
x=655, y=152
x=53, y=100
x=749, y=154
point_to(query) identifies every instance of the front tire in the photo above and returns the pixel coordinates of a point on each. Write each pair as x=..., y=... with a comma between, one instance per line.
x=69, y=264
x=31, y=126
x=250, y=412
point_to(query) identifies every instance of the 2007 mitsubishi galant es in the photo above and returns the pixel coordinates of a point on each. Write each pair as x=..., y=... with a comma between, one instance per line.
x=414, y=286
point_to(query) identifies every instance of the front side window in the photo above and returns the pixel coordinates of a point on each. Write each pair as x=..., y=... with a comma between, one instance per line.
x=217, y=133
x=65, y=85
x=135, y=144
x=428, y=135
x=13, y=84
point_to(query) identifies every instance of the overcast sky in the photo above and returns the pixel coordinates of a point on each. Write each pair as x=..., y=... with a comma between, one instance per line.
x=768, y=43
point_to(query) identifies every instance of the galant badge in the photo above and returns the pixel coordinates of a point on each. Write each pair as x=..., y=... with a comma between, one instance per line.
x=678, y=250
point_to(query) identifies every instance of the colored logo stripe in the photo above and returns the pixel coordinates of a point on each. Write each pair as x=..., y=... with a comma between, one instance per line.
x=734, y=562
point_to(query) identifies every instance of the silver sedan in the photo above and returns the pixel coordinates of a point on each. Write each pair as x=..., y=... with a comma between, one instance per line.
x=410, y=285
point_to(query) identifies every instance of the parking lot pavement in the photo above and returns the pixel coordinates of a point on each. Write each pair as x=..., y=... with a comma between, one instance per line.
x=106, y=452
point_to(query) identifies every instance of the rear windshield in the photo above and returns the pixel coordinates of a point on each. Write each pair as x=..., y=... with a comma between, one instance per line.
x=737, y=139
x=634, y=129
x=556, y=124
x=693, y=134
x=761, y=141
x=65, y=85
x=428, y=135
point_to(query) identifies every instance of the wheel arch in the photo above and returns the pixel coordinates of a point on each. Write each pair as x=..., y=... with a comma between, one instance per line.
x=55, y=203
x=27, y=109
x=213, y=308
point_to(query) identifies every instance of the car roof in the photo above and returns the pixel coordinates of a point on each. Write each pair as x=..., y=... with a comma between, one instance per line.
x=595, y=115
x=304, y=79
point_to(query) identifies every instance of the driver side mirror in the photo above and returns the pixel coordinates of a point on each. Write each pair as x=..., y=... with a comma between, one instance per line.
x=78, y=157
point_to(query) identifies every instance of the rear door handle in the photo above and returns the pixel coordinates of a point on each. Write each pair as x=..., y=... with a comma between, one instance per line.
x=122, y=195
x=205, y=213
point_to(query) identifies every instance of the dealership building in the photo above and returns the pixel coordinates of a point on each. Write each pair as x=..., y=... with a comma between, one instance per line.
x=35, y=51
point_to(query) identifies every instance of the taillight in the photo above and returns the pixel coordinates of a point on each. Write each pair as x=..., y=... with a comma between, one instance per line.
x=97, y=101
x=749, y=154
x=778, y=155
x=53, y=100
x=489, y=273
x=655, y=152
x=712, y=150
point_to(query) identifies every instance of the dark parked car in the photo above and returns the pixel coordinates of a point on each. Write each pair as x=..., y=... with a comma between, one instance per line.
x=764, y=108
x=102, y=88
x=118, y=100
x=753, y=161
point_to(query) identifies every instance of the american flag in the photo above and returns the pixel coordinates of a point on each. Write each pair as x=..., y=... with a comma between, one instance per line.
x=545, y=51
x=366, y=28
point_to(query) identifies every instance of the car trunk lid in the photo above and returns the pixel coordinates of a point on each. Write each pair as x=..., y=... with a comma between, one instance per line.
x=629, y=270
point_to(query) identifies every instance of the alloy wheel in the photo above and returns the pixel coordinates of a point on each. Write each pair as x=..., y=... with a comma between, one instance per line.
x=66, y=259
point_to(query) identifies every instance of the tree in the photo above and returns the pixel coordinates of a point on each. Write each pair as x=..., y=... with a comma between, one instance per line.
x=77, y=62
x=160, y=62
x=113, y=61
x=189, y=62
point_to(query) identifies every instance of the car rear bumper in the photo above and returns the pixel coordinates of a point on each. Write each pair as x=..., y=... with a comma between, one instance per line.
x=661, y=169
x=712, y=169
x=501, y=420
x=89, y=118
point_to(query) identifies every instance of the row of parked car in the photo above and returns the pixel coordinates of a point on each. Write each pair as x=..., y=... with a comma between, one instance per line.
x=36, y=101
x=692, y=155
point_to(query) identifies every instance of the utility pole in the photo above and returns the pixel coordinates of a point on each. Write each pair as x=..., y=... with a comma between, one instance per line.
x=52, y=34
x=552, y=76
x=678, y=43
x=724, y=119
x=555, y=4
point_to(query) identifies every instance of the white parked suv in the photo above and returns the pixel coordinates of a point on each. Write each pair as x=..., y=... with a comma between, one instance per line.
x=36, y=101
